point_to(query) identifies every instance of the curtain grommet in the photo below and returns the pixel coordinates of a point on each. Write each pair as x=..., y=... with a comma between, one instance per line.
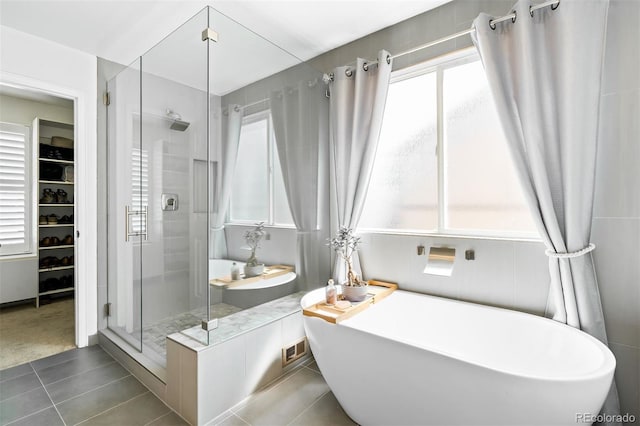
x=515, y=16
x=555, y=6
x=530, y=11
x=348, y=72
x=365, y=66
x=389, y=59
x=492, y=24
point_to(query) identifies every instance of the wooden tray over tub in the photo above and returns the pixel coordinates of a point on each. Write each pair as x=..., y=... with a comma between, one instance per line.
x=377, y=291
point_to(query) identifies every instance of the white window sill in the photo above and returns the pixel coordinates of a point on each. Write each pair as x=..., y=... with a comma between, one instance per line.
x=427, y=234
x=253, y=224
x=18, y=257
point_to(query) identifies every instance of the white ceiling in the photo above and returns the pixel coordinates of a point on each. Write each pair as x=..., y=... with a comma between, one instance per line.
x=123, y=30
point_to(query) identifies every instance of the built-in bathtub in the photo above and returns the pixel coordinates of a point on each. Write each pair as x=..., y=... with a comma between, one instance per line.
x=250, y=294
x=416, y=359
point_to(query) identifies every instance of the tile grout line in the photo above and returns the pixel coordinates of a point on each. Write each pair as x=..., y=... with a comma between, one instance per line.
x=158, y=418
x=268, y=387
x=21, y=375
x=241, y=419
x=49, y=396
x=83, y=372
x=28, y=415
x=21, y=393
x=66, y=360
x=96, y=388
x=115, y=406
x=309, y=407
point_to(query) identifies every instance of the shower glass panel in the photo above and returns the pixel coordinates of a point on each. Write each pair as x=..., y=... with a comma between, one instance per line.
x=246, y=70
x=158, y=274
x=174, y=125
x=125, y=220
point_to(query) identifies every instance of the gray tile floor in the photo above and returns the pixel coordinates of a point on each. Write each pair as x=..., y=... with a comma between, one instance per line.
x=301, y=397
x=88, y=387
x=82, y=386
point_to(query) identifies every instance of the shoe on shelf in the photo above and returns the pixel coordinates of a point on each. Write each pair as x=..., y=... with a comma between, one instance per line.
x=55, y=241
x=48, y=196
x=62, y=196
x=49, y=262
x=45, y=242
x=42, y=220
x=68, y=240
x=49, y=284
x=52, y=219
x=65, y=219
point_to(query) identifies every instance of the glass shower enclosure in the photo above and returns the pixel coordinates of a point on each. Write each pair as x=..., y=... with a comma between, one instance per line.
x=165, y=160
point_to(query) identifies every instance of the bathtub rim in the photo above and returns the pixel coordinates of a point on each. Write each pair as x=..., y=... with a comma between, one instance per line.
x=597, y=373
x=279, y=280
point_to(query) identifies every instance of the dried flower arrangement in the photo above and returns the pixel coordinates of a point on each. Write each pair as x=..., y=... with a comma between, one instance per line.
x=345, y=244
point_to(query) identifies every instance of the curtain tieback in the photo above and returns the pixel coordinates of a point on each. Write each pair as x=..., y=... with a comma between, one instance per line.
x=218, y=228
x=570, y=255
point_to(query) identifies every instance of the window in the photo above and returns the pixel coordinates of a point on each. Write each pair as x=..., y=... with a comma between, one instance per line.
x=442, y=164
x=258, y=193
x=139, y=188
x=15, y=190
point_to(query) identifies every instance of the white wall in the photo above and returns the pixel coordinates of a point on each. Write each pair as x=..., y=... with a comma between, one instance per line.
x=19, y=277
x=30, y=61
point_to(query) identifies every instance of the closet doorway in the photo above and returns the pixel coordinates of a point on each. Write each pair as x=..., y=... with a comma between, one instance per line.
x=37, y=225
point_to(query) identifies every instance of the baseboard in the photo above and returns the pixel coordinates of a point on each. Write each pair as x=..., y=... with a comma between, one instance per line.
x=94, y=339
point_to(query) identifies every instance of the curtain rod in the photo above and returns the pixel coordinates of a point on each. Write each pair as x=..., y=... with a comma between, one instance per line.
x=492, y=23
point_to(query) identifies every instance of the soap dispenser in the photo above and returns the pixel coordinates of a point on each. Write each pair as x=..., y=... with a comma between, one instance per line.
x=331, y=293
x=235, y=272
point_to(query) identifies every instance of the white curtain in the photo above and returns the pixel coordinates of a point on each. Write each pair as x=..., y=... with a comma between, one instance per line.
x=300, y=116
x=230, y=140
x=358, y=97
x=544, y=72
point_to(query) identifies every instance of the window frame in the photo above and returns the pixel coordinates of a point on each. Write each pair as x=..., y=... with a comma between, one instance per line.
x=26, y=249
x=271, y=153
x=438, y=66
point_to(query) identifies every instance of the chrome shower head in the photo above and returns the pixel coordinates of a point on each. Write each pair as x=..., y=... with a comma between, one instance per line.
x=177, y=123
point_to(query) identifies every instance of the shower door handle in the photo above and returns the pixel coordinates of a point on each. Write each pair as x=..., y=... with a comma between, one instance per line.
x=129, y=216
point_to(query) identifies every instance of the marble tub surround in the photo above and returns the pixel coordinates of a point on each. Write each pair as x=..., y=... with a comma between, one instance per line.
x=154, y=336
x=243, y=321
x=246, y=355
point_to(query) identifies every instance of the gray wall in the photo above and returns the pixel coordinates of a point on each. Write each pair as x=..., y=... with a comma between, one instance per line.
x=511, y=273
x=616, y=224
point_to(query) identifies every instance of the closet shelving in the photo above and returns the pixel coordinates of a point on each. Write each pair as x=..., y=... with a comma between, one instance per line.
x=55, y=261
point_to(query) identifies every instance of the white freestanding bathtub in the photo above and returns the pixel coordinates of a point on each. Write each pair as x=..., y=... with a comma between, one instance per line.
x=251, y=294
x=413, y=359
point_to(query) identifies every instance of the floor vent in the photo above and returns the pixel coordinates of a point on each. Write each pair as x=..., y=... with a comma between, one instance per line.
x=294, y=351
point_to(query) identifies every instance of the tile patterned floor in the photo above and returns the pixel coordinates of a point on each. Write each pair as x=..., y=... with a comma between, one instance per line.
x=300, y=398
x=82, y=386
x=88, y=387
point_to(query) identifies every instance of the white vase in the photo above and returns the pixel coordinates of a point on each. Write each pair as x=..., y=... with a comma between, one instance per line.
x=253, y=271
x=355, y=293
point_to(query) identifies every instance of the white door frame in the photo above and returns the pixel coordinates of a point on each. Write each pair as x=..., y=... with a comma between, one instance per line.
x=86, y=200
